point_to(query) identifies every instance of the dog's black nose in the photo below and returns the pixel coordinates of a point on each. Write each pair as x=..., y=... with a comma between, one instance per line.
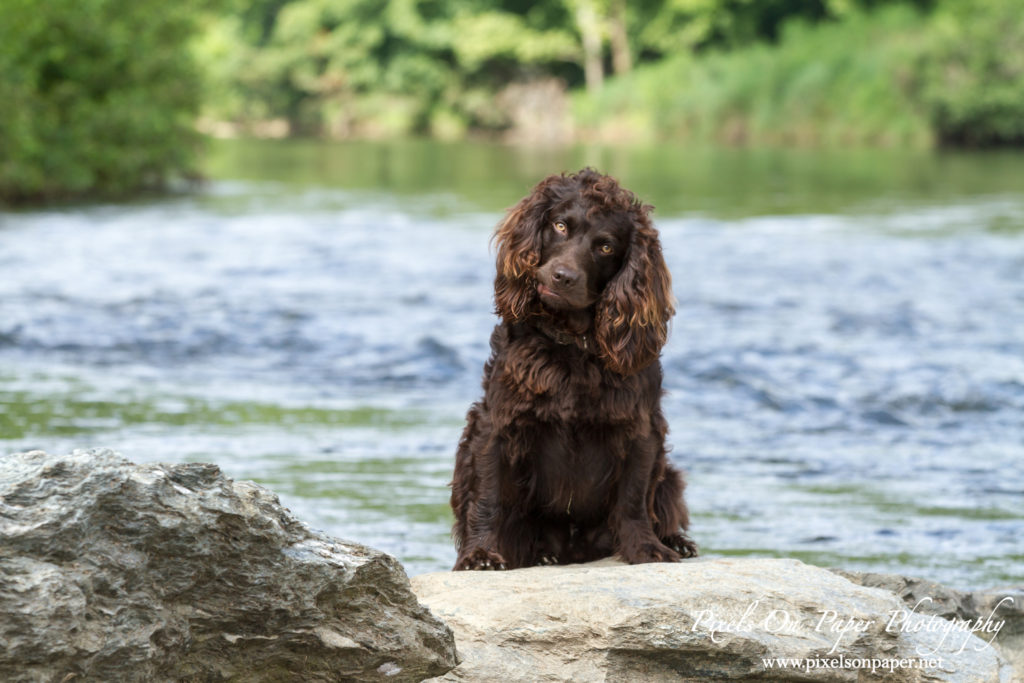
x=567, y=277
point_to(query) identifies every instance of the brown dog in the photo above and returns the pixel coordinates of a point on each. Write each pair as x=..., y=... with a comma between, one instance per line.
x=564, y=459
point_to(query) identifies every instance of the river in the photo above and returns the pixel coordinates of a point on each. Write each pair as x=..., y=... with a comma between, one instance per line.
x=845, y=372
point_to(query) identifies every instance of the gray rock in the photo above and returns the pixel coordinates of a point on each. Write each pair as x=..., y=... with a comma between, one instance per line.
x=1004, y=605
x=111, y=571
x=698, y=620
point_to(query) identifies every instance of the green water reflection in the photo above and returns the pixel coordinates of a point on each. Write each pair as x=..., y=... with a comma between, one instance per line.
x=726, y=182
x=27, y=414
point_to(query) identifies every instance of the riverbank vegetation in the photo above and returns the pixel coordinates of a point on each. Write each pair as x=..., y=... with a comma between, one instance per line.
x=895, y=76
x=106, y=96
x=831, y=72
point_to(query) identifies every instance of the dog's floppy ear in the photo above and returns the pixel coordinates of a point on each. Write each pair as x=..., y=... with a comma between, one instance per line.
x=518, y=239
x=634, y=310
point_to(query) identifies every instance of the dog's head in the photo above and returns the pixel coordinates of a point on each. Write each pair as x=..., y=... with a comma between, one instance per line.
x=582, y=242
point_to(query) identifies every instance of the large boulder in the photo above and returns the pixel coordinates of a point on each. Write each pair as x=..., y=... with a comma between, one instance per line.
x=111, y=571
x=699, y=620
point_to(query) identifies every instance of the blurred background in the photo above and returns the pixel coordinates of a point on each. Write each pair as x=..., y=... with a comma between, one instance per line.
x=255, y=233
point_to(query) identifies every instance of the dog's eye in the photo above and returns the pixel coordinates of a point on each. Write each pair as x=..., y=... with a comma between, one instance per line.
x=561, y=227
x=607, y=249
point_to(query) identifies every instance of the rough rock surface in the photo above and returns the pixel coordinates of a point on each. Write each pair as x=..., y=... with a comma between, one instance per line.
x=927, y=597
x=111, y=571
x=700, y=620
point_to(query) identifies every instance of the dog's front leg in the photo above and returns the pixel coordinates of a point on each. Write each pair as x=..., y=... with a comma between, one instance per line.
x=499, y=531
x=630, y=520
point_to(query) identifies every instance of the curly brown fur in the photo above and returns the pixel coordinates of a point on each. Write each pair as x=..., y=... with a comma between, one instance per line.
x=563, y=459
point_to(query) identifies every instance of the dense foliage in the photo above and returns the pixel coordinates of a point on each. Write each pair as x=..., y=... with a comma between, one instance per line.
x=891, y=72
x=811, y=88
x=385, y=67
x=97, y=96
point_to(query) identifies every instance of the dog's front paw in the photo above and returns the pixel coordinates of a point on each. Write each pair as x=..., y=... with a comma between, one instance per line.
x=547, y=560
x=650, y=551
x=478, y=559
x=682, y=544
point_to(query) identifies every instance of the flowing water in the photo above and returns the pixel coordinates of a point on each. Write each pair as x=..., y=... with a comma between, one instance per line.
x=845, y=373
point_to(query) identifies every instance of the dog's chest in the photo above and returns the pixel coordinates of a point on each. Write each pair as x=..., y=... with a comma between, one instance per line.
x=561, y=384
x=575, y=470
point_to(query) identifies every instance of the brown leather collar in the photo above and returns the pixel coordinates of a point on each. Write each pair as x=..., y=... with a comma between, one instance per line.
x=564, y=338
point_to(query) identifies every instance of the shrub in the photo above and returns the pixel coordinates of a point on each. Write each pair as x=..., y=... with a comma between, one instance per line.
x=974, y=73
x=98, y=97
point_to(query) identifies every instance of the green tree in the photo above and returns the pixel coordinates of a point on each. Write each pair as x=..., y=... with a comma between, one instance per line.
x=373, y=67
x=98, y=97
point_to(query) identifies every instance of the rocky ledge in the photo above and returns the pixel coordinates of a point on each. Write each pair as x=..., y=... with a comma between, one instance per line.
x=111, y=571
x=706, y=620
